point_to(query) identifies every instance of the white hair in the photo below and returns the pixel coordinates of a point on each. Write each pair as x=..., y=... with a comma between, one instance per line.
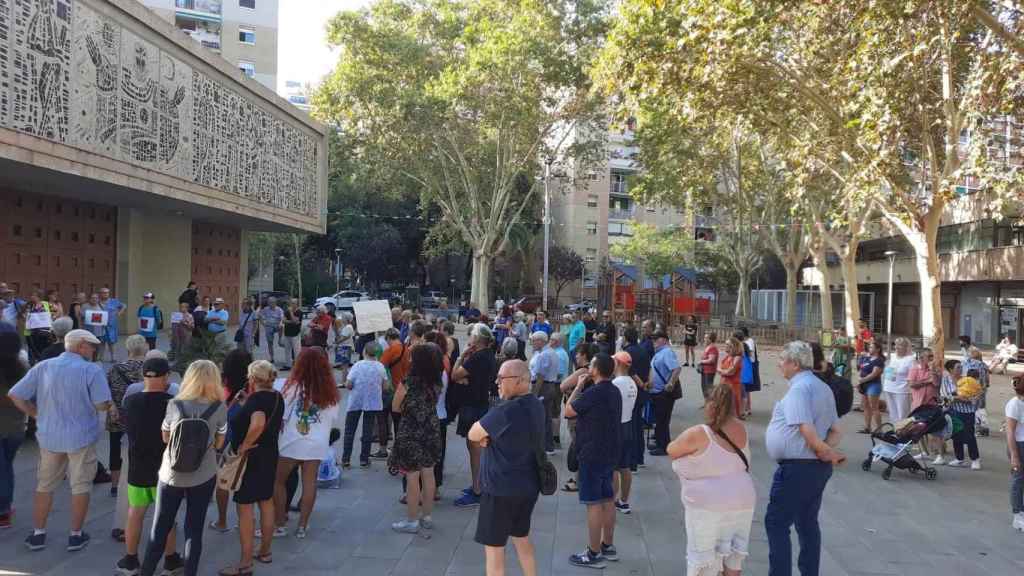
x=74, y=339
x=156, y=353
x=799, y=352
x=61, y=326
x=136, y=346
x=555, y=337
x=539, y=335
x=481, y=331
x=510, y=348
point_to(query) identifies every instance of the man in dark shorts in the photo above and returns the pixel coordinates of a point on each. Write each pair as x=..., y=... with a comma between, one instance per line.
x=510, y=433
x=473, y=374
x=598, y=413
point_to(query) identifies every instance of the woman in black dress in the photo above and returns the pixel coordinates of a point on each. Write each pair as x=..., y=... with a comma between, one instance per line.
x=690, y=340
x=260, y=417
x=418, y=438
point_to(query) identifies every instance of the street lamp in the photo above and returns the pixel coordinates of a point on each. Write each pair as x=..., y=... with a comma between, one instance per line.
x=337, y=270
x=891, y=255
x=547, y=226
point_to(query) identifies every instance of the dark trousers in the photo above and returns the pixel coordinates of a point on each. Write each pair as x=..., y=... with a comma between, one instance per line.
x=663, y=405
x=795, y=499
x=366, y=440
x=168, y=500
x=642, y=396
x=115, y=451
x=707, y=383
x=965, y=437
x=151, y=342
x=8, y=448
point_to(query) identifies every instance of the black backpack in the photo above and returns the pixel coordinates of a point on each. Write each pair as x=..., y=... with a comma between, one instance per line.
x=191, y=437
x=842, y=389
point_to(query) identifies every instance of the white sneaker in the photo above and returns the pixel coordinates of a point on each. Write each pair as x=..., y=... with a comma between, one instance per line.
x=975, y=464
x=1018, y=521
x=919, y=456
x=954, y=463
x=406, y=526
x=427, y=522
x=939, y=460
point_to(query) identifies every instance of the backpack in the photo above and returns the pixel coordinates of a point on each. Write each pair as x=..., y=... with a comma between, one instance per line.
x=190, y=438
x=842, y=389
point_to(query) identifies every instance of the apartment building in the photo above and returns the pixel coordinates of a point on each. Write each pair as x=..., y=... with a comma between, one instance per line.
x=243, y=32
x=597, y=211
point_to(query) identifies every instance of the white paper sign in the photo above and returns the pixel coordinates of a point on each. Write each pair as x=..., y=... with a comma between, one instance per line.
x=372, y=316
x=177, y=318
x=38, y=320
x=95, y=317
x=146, y=324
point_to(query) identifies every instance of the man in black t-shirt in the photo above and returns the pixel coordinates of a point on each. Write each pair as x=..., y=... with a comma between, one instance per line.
x=641, y=368
x=511, y=434
x=474, y=373
x=598, y=413
x=143, y=416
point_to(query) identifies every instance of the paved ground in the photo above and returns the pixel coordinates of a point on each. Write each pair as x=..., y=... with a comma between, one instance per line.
x=958, y=524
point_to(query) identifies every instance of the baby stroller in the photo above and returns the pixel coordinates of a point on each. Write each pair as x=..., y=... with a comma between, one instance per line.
x=892, y=446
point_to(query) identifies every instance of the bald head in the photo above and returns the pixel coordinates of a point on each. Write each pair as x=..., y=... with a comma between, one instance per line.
x=513, y=379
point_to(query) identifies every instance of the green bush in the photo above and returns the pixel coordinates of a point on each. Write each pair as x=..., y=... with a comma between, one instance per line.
x=206, y=346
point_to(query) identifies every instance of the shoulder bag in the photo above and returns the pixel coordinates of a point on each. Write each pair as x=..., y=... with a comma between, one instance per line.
x=232, y=470
x=736, y=448
x=547, y=474
x=240, y=333
x=676, y=392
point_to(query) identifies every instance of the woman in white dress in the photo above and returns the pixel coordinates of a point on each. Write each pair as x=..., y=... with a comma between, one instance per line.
x=894, y=381
x=718, y=495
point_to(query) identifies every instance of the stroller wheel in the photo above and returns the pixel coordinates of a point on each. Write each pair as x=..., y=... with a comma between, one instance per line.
x=931, y=474
x=392, y=470
x=887, y=474
x=866, y=465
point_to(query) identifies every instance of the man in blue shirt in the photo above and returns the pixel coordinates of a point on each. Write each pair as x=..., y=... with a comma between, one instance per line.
x=801, y=437
x=541, y=324
x=544, y=374
x=217, y=319
x=598, y=413
x=64, y=395
x=577, y=333
x=509, y=479
x=664, y=381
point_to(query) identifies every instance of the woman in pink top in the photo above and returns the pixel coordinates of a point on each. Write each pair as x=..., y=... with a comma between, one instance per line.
x=717, y=490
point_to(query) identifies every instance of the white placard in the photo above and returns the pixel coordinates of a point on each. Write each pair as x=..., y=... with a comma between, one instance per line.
x=38, y=320
x=146, y=324
x=177, y=318
x=372, y=316
x=95, y=317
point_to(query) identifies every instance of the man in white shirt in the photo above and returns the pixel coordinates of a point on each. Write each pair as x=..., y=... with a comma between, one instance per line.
x=622, y=481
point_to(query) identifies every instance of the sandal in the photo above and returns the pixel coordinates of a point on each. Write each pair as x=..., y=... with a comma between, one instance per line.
x=570, y=486
x=219, y=529
x=263, y=558
x=864, y=431
x=236, y=571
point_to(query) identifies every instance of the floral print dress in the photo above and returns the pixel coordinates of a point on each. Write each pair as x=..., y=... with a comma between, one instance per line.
x=418, y=439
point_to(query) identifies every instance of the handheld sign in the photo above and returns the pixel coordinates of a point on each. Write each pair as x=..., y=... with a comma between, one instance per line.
x=372, y=316
x=95, y=317
x=39, y=320
x=146, y=324
x=177, y=318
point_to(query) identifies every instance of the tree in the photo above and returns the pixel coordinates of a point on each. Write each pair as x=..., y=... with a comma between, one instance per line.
x=656, y=252
x=564, y=266
x=463, y=98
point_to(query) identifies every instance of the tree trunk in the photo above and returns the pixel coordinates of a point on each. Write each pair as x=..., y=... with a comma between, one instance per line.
x=819, y=253
x=297, y=244
x=851, y=300
x=743, y=296
x=927, y=262
x=480, y=290
x=791, y=282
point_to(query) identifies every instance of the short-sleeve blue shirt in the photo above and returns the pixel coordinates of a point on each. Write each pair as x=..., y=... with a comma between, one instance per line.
x=220, y=315
x=662, y=365
x=808, y=401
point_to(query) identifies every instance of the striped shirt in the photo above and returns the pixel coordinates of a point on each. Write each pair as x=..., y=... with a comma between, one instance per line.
x=65, y=390
x=949, y=390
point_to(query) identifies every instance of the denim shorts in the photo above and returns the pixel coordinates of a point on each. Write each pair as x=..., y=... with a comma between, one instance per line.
x=874, y=389
x=595, y=483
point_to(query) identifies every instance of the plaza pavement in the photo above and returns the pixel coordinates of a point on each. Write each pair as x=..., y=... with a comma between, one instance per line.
x=956, y=525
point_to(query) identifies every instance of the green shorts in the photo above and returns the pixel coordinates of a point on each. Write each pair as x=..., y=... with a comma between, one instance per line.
x=141, y=496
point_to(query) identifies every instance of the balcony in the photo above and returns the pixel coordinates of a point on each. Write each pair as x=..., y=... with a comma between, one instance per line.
x=203, y=10
x=621, y=214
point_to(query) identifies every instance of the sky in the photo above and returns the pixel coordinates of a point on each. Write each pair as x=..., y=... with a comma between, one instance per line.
x=302, y=52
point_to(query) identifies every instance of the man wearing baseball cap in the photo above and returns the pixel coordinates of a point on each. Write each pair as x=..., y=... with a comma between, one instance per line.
x=64, y=394
x=143, y=416
x=151, y=319
x=217, y=319
x=628, y=386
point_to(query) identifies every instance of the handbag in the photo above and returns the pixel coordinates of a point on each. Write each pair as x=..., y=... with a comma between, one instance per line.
x=547, y=474
x=240, y=333
x=232, y=471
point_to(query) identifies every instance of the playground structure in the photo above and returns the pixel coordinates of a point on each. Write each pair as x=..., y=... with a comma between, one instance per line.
x=667, y=300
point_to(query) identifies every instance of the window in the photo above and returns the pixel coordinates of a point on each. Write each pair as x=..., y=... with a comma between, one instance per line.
x=592, y=200
x=620, y=229
x=250, y=4
x=591, y=256
x=619, y=184
x=592, y=228
x=246, y=35
x=247, y=68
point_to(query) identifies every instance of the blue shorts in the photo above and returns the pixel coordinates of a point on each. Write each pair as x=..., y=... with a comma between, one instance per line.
x=627, y=456
x=595, y=483
x=874, y=389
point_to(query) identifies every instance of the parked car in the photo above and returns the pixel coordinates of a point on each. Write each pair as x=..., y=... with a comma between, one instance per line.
x=527, y=304
x=432, y=299
x=343, y=300
x=261, y=297
x=581, y=306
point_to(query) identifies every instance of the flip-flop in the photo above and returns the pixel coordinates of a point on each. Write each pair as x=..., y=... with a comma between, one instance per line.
x=218, y=529
x=235, y=571
x=263, y=558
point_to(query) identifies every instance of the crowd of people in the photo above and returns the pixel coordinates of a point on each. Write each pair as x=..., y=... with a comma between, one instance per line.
x=242, y=431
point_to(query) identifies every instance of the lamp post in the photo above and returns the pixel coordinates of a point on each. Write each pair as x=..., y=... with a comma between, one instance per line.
x=547, y=227
x=337, y=270
x=891, y=255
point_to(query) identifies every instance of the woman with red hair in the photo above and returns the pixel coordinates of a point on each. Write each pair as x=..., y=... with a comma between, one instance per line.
x=311, y=406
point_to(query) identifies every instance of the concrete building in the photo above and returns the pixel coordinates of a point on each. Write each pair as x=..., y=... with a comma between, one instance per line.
x=134, y=158
x=597, y=211
x=244, y=32
x=298, y=94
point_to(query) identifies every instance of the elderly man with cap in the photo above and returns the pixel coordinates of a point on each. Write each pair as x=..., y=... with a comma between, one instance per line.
x=628, y=386
x=63, y=395
x=544, y=375
x=217, y=319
